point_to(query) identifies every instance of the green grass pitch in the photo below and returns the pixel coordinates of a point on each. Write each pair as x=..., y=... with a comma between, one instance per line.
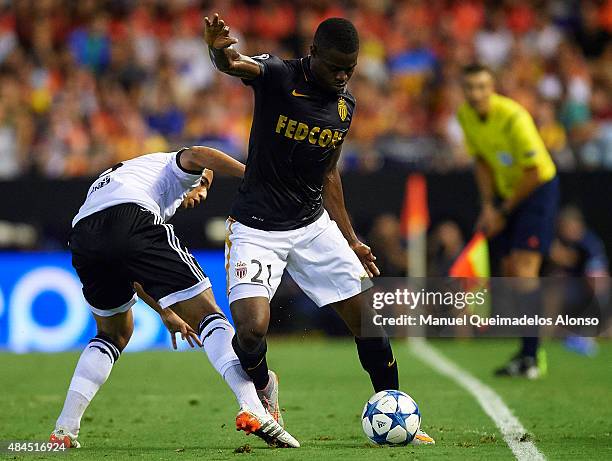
x=173, y=406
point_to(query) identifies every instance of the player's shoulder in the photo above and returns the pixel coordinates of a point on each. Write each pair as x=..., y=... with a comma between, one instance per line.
x=271, y=60
x=464, y=112
x=275, y=70
x=506, y=107
x=349, y=98
x=153, y=157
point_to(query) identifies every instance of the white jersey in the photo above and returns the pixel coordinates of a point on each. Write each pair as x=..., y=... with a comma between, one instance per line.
x=154, y=181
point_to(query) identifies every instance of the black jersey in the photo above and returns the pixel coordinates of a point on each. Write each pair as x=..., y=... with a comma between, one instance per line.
x=296, y=128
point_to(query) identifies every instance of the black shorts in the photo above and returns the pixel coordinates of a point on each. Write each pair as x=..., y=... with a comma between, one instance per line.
x=126, y=243
x=532, y=225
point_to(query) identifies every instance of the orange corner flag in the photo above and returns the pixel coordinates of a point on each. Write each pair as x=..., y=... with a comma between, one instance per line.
x=415, y=212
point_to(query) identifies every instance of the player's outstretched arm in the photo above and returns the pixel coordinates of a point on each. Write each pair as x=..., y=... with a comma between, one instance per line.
x=224, y=57
x=197, y=158
x=333, y=201
x=173, y=322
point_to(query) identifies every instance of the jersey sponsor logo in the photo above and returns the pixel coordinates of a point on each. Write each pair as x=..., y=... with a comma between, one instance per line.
x=294, y=129
x=299, y=95
x=241, y=269
x=342, y=109
x=100, y=184
x=261, y=57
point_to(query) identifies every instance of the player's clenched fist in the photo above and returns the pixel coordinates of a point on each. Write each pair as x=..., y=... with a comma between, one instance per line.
x=216, y=33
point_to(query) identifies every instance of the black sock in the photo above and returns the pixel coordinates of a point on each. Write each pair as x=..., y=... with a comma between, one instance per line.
x=530, y=346
x=377, y=359
x=530, y=303
x=254, y=362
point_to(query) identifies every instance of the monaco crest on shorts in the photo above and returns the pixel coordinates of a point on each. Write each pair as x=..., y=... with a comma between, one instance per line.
x=241, y=269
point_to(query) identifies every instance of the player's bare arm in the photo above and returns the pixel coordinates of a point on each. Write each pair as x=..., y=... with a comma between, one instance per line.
x=529, y=182
x=197, y=158
x=223, y=55
x=490, y=221
x=171, y=320
x=333, y=201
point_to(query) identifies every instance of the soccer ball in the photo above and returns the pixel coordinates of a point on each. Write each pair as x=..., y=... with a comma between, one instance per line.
x=391, y=418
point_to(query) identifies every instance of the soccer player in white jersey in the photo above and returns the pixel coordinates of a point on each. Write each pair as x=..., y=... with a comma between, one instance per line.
x=121, y=244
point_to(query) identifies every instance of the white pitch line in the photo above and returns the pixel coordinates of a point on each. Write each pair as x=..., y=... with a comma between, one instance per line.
x=493, y=405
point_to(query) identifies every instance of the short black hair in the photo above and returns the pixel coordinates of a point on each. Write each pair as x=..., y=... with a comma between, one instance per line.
x=337, y=33
x=475, y=68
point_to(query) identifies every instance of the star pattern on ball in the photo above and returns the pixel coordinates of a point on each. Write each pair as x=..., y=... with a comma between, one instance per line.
x=385, y=418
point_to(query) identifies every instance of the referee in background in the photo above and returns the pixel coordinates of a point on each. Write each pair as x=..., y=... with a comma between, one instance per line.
x=519, y=193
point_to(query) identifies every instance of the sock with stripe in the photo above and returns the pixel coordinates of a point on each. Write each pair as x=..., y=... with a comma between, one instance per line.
x=216, y=334
x=92, y=370
x=376, y=357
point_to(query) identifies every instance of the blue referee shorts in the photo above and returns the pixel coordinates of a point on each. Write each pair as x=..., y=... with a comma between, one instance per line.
x=531, y=226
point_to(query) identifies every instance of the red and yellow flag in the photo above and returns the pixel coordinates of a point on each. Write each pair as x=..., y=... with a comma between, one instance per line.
x=472, y=266
x=473, y=260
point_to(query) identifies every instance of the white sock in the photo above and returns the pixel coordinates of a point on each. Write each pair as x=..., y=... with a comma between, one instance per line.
x=91, y=372
x=216, y=334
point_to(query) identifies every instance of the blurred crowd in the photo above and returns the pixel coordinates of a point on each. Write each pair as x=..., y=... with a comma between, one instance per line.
x=85, y=84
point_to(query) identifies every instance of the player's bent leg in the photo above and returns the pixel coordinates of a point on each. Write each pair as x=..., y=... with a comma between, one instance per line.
x=194, y=310
x=525, y=266
x=251, y=317
x=91, y=372
x=330, y=273
x=216, y=333
x=375, y=353
x=118, y=328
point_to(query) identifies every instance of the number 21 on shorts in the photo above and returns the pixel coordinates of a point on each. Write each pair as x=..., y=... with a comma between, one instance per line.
x=261, y=275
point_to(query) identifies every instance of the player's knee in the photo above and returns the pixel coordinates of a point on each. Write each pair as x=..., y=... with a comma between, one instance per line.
x=251, y=318
x=525, y=266
x=525, y=270
x=120, y=335
x=251, y=336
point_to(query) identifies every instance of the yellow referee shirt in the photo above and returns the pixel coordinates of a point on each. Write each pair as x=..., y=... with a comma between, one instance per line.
x=508, y=141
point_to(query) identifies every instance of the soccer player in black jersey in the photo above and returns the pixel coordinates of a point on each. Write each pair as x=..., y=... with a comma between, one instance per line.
x=289, y=211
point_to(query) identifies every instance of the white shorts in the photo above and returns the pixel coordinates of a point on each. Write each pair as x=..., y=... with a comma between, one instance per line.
x=317, y=256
